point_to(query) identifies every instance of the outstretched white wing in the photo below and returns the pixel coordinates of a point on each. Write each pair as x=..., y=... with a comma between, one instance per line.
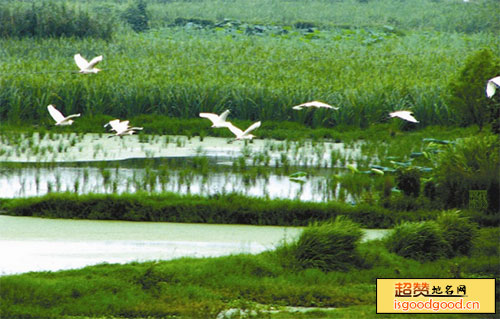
x=119, y=127
x=109, y=123
x=94, y=61
x=212, y=117
x=224, y=115
x=81, y=62
x=251, y=128
x=236, y=131
x=56, y=115
x=317, y=104
x=405, y=115
x=72, y=116
x=492, y=85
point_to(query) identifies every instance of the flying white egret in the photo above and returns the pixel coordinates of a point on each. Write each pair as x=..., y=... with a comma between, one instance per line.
x=85, y=66
x=243, y=135
x=492, y=85
x=109, y=123
x=316, y=104
x=59, y=117
x=115, y=123
x=122, y=128
x=405, y=115
x=217, y=120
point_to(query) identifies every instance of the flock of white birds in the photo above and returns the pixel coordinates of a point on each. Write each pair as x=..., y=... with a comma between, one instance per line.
x=122, y=128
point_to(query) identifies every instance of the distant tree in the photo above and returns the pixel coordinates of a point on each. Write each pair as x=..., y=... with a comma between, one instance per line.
x=136, y=16
x=467, y=90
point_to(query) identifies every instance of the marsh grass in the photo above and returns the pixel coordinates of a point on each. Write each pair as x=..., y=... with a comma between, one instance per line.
x=253, y=78
x=329, y=245
x=459, y=231
x=422, y=241
x=471, y=164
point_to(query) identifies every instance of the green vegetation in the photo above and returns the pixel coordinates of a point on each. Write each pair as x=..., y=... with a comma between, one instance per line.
x=329, y=246
x=51, y=19
x=467, y=96
x=408, y=180
x=458, y=231
x=166, y=61
x=255, y=77
x=206, y=63
x=197, y=288
x=418, y=240
x=450, y=235
x=222, y=209
x=136, y=16
x=470, y=164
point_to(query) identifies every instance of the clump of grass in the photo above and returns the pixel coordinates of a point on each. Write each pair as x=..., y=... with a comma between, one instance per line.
x=422, y=241
x=329, y=245
x=458, y=231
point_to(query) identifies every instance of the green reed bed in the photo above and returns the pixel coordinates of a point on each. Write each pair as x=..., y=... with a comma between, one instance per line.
x=445, y=16
x=178, y=73
x=449, y=16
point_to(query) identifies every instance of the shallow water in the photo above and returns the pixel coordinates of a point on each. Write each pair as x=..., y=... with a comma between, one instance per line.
x=160, y=175
x=99, y=147
x=39, y=244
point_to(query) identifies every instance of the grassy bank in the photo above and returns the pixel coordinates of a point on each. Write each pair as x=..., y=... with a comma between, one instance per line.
x=221, y=209
x=201, y=288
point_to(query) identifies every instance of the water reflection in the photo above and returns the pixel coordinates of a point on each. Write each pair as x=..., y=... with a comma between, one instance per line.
x=198, y=175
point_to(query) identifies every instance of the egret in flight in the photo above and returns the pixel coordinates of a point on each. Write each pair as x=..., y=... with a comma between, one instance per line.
x=122, y=128
x=405, y=115
x=59, y=117
x=316, y=104
x=492, y=85
x=217, y=120
x=243, y=135
x=85, y=66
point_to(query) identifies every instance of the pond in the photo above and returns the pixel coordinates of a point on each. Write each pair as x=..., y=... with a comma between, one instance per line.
x=38, y=244
x=179, y=175
x=37, y=164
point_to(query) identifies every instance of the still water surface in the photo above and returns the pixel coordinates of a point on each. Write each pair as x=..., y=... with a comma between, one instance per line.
x=39, y=244
x=36, y=244
x=164, y=175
